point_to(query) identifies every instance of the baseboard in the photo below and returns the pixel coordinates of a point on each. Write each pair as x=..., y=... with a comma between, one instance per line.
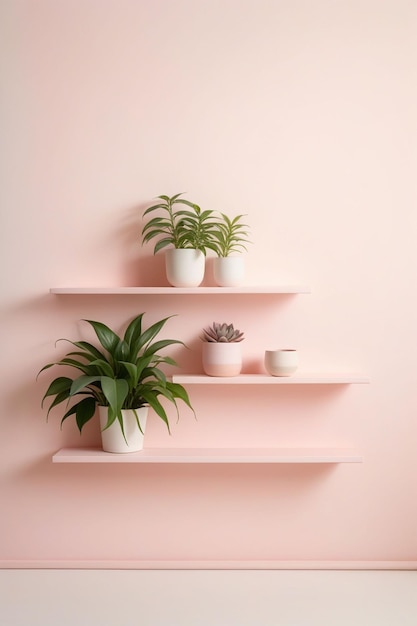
x=207, y=565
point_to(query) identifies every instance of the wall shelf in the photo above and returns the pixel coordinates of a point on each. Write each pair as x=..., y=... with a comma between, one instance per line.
x=211, y=455
x=261, y=379
x=152, y=291
x=219, y=455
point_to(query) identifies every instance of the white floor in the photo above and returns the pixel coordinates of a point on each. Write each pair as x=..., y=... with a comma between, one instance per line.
x=207, y=598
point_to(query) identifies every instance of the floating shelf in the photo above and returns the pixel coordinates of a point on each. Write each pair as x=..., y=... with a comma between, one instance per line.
x=211, y=455
x=153, y=291
x=261, y=379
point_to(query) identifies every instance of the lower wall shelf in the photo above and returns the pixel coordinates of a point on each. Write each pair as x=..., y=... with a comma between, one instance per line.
x=263, y=379
x=211, y=455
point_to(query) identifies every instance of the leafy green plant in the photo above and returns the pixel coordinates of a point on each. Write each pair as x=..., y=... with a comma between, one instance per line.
x=122, y=373
x=231, y=235
x=180, y=227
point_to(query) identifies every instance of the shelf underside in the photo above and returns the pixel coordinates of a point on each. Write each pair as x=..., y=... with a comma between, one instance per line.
x=267, y=289
x=261, y=379
x=211, y=455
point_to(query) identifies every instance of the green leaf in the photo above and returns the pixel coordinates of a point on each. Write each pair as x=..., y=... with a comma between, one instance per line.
x=168, y=360
x=155, y=372
x=142, y=364
x=83, y=367
x=151, y=332
x=83, y=410
x=115, y=392
x=132, y=371
x=106, y=336
x=59, y=385
x=87, y=347
x=154, y=208
x=81, y=383
x=104, y=367
x=60, y=397
x=156, y=222
x=174, y=198
x=121, y=424
x=70, y=411
x=134, y=330
x=121, y=352
x=163, y=243
x=153, y=401
x=155, y=232
x=186, y=202
x=45, y=367
x=138, y=421
x=178, y=391
x=157, y=346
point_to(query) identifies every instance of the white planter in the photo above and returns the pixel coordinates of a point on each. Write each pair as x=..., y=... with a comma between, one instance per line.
x=184, y=267
x=222, y=359
x=281, y=362
x=229, y=271
x=112, y=438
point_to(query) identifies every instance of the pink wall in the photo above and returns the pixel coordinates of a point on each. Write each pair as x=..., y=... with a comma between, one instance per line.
x=301, y=115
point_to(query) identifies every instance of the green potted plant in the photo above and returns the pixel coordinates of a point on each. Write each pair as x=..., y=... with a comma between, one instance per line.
x=122, y=377
x=231, y=239
x=222, y=354
x=187, y=231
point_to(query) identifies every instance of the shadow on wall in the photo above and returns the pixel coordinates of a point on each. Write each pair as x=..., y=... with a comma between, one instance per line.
x=283, y=478
x=138, y=265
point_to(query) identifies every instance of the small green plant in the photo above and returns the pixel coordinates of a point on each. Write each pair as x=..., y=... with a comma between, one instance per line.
x=122, y=373
x=180, y=227
x=222, y=333
x=231, y=235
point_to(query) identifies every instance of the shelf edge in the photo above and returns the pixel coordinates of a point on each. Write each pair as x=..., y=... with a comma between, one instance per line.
x=265, y=379
x=212, y=456
x=249, y=290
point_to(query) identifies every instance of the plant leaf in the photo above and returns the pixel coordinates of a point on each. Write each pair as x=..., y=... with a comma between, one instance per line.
x=151, y=332
x=82, y=382
x=59, y=385
x=108, y=339
x=138, y=420
x=157, y=346
x=115, y=392
x=60, y=397
x=132, y=371
x=163, y=243
x=103, y=366
x=178, y=391
x=83, y=410
x=153, y=401
x=134, y=330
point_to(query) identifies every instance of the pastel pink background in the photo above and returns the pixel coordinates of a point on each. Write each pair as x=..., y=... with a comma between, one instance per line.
x=301, y=115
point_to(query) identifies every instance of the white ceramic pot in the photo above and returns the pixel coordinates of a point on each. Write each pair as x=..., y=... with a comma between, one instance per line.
x=222, y=359
x=112, y=438
x=229, y=271
x=281, y=362
x=184, y=267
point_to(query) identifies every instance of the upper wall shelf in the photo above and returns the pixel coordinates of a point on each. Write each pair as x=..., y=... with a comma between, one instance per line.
x=122, y=291
x=211, y=455
x=261, y=379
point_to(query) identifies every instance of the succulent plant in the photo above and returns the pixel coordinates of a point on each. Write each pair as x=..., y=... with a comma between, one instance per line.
x=222, y=333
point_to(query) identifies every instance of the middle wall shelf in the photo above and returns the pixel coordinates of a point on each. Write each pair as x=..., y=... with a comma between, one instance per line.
x=213, y=455
x=176, y=291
